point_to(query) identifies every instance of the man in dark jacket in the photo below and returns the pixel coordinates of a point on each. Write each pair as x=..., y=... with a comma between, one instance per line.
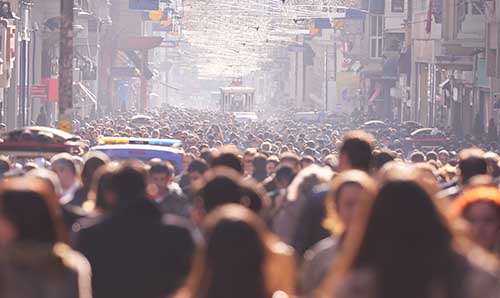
x=134, y=251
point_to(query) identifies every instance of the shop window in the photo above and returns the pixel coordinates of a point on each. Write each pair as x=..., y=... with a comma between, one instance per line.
x=398, y=5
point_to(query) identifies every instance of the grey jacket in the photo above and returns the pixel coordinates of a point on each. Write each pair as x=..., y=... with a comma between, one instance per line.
x=317, y=262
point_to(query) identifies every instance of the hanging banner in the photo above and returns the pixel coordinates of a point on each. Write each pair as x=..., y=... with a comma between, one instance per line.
x=347, y=85
x=144, y=4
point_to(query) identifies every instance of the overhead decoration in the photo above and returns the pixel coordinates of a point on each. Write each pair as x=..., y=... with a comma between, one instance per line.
x=227, y=38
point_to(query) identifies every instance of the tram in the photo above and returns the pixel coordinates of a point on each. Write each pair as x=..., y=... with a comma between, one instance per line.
x=237, y=99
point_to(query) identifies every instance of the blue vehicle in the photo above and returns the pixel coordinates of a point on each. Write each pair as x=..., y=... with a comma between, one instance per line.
x=143, y=153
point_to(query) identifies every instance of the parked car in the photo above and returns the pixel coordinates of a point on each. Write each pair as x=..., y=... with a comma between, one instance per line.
x=431, y=137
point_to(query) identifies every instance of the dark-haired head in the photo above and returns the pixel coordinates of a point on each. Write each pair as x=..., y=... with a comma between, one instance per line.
x=100, y=197
x=28, y=214
x=254, y=196
x=472, y=162
x=356, y=151
x=93, y=162
x=128, y=182
x=228, y=159
x=232, y=261
x=380, y=158
x=222, y=187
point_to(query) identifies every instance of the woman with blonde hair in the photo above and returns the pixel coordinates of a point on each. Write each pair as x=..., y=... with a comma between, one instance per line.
x=347, y=190
x=233, y=261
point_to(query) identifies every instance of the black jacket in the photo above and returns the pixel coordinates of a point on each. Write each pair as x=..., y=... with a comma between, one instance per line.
x=310, y=230
x=135, y=252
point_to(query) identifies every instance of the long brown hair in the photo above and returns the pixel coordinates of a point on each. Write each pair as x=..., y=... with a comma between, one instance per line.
x=405, y=241
x=231, y=263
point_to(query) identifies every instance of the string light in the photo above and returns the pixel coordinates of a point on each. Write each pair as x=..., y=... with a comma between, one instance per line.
x=225, y=37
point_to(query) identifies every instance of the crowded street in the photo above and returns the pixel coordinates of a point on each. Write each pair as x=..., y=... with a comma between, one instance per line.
x=249, y=149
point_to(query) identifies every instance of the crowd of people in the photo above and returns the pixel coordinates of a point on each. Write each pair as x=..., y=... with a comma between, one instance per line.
x=274, y=208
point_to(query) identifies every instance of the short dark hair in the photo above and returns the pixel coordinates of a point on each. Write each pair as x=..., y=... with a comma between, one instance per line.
x=161, y=168
x=431, y=155
x=380, y=158
x=358, y=147
x=222, y=187
x=229, y=160
x=29, y=213
x=417, y=157
x=255, y=194
x=306, y=159
x=472, y=163
x=129, y=182
x=285, y=173
x=259, y=162
x=4, y=165
x=198, y=166
x=207, y=155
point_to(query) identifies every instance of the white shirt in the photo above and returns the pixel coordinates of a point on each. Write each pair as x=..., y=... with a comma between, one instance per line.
x=69, y=193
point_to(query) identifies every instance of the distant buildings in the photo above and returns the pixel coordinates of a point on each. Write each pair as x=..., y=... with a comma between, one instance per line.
x=431, y=61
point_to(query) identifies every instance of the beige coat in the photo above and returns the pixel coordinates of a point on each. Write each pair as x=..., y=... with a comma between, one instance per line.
x=44, y=272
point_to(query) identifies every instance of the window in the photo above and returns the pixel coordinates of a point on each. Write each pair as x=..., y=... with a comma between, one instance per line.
x=470, y=22
x=376, y=35
x=398, y=5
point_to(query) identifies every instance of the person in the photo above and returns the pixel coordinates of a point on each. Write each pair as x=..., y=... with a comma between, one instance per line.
x=248, y=157
x=134, y=251
x=228, y=158
x=346, y=192
x=356, y=151
x=444, y=157
x=306, y=161
x=431, y=155
x=272, y=165
x=380, y=158
x=290, y=159
x=402, y=246
x=70, y=214
x=417, y=157
x=287, y=219
x=480, y=207
x=220, y=186
x=64, y=166
x=259, y=172
x=255, y=197
x=471, y=163
x=100, y=199
x=277, y=187
x=195, y=171
x=93, y=162
x=33, y=247
x=5, y=165
x=493, y=161
x=168, y=194
x=235, y=259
